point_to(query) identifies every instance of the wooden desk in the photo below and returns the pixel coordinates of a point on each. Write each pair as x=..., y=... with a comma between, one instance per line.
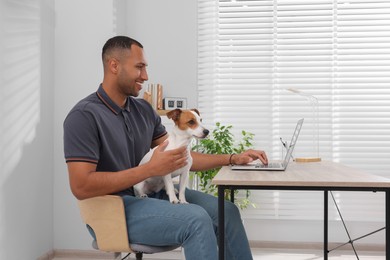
x=322, y=176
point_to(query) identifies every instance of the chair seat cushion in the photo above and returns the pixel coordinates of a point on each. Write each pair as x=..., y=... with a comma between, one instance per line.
x=151, y=249
x=138, y=248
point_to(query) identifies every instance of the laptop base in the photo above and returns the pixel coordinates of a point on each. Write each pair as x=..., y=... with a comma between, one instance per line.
x=307, y=159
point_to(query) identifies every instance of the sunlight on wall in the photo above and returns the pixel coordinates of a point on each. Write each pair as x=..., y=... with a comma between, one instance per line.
x=20, y=81
x=19, y=84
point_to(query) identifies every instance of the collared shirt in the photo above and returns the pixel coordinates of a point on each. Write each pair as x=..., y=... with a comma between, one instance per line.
x=98, y=131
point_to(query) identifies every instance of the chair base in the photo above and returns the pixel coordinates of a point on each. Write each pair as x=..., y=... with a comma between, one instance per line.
x=118, y=256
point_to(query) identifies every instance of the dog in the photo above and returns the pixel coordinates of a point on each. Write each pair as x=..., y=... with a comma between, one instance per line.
x=187, y=126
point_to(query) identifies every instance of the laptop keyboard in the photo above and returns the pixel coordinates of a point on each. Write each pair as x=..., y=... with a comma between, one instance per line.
x=270, y=165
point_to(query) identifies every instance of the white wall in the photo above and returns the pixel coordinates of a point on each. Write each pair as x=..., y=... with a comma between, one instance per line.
x=26, y=128
x=82, y=27
x=168, y=31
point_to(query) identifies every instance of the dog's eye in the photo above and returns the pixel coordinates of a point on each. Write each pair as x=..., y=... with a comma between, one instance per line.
x=191, y=122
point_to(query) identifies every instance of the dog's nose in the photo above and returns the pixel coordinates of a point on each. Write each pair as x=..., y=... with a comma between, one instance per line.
x=206, y=132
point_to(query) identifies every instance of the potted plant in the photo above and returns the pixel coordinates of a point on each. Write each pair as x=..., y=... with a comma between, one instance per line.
x=222, y=141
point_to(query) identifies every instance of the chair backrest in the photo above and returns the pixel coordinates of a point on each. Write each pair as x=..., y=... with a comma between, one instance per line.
x=106, y=216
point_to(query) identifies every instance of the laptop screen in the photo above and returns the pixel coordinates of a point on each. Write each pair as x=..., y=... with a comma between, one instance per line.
x=293, y=141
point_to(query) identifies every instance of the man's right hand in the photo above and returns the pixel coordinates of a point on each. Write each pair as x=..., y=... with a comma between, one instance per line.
x=165, y=162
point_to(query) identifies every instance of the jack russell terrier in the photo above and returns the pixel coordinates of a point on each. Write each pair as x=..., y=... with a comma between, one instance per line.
x=187, y=126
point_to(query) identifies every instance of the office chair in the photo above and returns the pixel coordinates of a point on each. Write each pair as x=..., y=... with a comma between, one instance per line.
x=106, y=216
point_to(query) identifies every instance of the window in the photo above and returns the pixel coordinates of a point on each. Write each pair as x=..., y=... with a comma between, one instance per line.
x=251, y=52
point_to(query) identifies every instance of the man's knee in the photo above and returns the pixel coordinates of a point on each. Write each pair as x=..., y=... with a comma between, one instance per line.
x=199, y=214
x=200, y=220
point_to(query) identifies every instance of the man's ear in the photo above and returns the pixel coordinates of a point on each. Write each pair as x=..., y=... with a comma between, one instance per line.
x=113, y=65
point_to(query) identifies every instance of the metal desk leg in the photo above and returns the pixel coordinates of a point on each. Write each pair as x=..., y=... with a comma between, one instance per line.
x=325, y=225
x=387, y=224
x=221, y=222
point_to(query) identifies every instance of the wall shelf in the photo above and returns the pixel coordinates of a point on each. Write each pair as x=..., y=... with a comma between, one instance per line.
x=162, y=112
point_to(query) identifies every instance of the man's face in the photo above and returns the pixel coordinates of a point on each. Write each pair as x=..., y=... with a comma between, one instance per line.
x=132, y=72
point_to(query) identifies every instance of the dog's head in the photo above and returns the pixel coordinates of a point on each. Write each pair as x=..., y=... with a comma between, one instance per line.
x=188, y=121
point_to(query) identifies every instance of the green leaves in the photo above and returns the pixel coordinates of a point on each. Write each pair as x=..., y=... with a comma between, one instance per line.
x=222, y=141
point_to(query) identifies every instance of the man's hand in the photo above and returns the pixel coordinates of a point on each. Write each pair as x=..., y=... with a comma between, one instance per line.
x=249, y=156
x=165, y=162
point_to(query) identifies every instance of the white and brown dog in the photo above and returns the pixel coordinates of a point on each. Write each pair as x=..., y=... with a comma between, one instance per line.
x=187, y=126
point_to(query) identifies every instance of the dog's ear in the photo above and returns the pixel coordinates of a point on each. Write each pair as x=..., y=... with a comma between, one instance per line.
x=174, y=114
x=196, y=111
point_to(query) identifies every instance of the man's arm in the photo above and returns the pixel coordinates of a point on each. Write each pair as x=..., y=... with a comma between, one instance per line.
x=85, y=182
x=159, y=141
x=210, y=161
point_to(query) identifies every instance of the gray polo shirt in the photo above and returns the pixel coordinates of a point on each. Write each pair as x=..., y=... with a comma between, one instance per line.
x=98, y=131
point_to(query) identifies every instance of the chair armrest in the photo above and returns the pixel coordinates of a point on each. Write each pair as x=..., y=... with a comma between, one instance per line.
x=106, y=216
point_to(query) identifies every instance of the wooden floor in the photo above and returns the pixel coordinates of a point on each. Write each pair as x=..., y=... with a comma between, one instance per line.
x=267, y=254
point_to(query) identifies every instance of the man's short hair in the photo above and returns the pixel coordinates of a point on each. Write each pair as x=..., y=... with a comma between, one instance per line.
x=118, y=43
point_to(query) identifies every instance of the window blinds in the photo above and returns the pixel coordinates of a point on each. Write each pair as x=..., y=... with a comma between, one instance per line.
x=251, y=52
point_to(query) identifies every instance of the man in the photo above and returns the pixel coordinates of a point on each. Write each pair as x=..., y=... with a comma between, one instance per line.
x=105, y=137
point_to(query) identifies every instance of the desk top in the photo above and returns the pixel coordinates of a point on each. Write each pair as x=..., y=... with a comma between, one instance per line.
x=314, y=174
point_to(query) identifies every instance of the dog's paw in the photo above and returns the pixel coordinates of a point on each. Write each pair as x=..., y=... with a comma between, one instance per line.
x=143, y=196
x=174, y=200
x=183, y=202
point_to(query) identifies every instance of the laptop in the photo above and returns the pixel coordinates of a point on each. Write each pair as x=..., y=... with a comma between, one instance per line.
x=273, y=165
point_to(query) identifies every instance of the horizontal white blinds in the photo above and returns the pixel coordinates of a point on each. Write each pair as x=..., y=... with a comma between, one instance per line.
x=251, y=52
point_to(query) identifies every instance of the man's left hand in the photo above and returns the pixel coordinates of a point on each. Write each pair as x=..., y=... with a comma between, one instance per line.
x=249, y=156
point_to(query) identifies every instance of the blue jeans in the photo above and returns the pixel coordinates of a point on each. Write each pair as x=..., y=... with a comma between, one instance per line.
x=194, y=226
